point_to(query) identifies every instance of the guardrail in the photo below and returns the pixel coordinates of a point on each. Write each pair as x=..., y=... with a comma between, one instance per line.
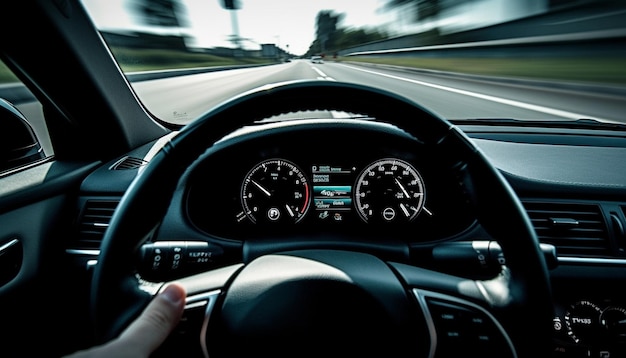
x=589, y=43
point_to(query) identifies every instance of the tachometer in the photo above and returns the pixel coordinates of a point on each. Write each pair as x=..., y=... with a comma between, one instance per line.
x=275, y=190
x=389, y=190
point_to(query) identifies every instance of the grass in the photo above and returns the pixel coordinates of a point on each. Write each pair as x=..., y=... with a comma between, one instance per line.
x=6, y=76
x=132, y=60
x=590, y=70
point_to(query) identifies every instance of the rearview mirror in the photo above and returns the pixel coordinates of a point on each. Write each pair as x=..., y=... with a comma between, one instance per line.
x=18, y=142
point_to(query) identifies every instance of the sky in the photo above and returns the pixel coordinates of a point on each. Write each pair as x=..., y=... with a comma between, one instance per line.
x=290, y=24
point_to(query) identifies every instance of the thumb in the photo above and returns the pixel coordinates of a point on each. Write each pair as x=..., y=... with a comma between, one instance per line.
x=148, y=331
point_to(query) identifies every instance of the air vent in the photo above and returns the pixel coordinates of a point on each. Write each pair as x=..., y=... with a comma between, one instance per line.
x=93, y=222
x=127, y=163
x=576, y=229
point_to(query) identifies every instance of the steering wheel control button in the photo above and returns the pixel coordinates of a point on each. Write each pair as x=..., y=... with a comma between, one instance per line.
x=462, y=330
x=164, y=260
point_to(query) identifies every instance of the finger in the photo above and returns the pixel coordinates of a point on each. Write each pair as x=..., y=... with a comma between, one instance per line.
x=155, y=323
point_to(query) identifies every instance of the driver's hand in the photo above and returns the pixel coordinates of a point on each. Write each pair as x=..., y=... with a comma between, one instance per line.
x=146, y=333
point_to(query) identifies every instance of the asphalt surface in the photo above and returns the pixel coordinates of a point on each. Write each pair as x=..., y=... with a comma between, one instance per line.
x=453, y=96
x=181, y=99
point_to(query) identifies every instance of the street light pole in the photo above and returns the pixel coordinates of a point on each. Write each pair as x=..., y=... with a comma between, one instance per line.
x=233, y=6
x=235, y=26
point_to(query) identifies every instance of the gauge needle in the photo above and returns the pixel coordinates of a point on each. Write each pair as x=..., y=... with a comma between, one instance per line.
x=404, y=210
x=265, y=191
x=406, y=193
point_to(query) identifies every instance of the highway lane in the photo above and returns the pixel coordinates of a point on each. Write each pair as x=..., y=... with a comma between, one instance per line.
x=181, y=99
x=459, y=97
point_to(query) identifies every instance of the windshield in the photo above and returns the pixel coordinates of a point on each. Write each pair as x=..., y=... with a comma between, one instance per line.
x=540, y=60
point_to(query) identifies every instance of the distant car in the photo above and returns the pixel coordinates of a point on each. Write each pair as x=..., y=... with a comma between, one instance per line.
x=317, y=59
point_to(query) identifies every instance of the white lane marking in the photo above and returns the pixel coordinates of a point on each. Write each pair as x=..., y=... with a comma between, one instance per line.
x=322, y=74
x=319, y=72
x=591, y=17
x=510, y=102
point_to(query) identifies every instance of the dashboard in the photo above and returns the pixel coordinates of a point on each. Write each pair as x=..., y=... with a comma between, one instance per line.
x=319, y=180
x=351, y=184
x=591, y=327
x=576, y=175
x=345, y=179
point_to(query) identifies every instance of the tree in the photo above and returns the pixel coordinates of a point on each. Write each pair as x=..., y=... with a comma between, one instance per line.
x=353, y=37
x=164, y=13
x=330, y=37
x=327, y=22
x=422, y=9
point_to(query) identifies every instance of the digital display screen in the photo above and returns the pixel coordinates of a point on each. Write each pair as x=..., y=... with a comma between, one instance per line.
x=332, y=192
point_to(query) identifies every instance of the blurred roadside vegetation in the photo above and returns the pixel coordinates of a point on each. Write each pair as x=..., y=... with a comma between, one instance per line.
x=591, y=70
x=332, y=37
x=6, y=76
x=588, y=70
x=135, y=60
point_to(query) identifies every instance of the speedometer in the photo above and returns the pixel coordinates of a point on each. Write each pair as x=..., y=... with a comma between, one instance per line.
x=389, y=190
x=275, y=191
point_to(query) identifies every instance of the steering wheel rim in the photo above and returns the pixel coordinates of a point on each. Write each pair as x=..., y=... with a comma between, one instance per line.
x=522, y=291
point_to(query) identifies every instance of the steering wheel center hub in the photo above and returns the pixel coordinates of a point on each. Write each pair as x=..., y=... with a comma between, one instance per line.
x=307, y=301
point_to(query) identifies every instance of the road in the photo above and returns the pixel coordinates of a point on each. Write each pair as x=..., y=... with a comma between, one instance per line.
x=182, y=99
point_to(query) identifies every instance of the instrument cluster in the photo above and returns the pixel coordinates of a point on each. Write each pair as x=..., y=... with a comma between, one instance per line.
x=385, y=191
x=321, y=183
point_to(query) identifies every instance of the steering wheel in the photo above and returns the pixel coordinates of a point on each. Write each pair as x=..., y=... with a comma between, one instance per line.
x=312, y=302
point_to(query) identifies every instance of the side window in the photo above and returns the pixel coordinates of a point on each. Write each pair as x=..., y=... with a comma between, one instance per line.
x=24, y=136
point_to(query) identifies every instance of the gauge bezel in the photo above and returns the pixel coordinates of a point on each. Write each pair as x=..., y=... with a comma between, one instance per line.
x=587, y=331
x=264, y=177
x=410, y=196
